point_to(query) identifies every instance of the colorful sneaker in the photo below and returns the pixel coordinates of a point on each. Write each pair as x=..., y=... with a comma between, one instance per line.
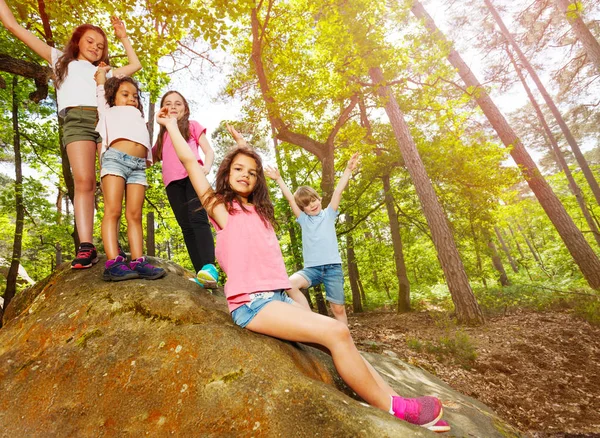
x=422, y=411
x=208, y=276
x=146, y=270
x=117, y=270
x=86, y=256
x=440, y=426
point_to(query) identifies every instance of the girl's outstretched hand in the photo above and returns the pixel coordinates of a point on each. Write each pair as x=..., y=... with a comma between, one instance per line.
x=241, y=141
x=272, y=172
x=163, y=118
x=353, y=162
x=119, y=27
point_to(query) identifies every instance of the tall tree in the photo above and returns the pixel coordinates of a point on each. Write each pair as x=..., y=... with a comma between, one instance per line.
x=580, y=250
x=583, y=164
x=467, y=309
x=11, y=278
x=560, y=159
x=572, y=11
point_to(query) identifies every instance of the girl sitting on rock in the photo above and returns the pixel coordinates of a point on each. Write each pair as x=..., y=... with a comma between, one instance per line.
x=248, y=251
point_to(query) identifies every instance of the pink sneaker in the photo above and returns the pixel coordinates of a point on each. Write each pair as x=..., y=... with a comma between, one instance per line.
x=422, y=411
x=440, y=426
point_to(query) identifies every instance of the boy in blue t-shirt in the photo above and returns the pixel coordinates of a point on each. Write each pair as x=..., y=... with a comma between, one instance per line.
x=322, y=261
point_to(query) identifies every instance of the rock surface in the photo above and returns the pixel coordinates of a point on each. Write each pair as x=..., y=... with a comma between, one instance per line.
x=84, y=357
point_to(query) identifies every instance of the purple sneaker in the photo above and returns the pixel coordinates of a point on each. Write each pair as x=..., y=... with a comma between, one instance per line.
x=422, y=411
x=145, y=270
x=117, y=270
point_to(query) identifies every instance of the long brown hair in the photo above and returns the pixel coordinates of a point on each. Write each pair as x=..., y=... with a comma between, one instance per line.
x=71, y=52
x=183, y=123
x=224, y=194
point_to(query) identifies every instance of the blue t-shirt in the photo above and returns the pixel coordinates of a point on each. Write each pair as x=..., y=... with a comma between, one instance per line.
x=319, y=241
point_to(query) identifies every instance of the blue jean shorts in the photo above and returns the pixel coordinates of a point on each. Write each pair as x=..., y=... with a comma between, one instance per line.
x=246, y=312
x=131, y=169
x=332, y=278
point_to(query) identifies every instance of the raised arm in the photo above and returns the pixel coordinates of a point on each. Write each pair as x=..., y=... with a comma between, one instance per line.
x=196, y=173
x=33, y=42
x=343, y=182
x=100, y=78
x=273, y=173
x=134, y=63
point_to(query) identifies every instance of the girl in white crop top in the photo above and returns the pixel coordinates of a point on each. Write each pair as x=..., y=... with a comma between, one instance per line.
x=76, y=94
x=124, y=157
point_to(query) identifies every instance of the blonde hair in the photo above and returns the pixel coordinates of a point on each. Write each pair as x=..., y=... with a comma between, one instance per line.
x=304, y=195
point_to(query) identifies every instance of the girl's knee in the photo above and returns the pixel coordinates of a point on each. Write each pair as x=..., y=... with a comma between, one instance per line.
x=133, y=216
x=85, y=184
x=340, y=331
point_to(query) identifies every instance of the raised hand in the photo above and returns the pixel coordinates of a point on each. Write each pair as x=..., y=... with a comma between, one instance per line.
x=241, y=141
x=100, y=75
x=119, y=27
x=163, y=118
x=353, y=162
x=272, y=172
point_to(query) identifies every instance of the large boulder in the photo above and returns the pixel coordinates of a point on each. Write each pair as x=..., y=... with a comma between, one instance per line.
x=84, y=357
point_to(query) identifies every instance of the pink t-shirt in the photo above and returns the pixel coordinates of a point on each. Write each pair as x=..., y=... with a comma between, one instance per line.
x=172, y=169
x=249, y=253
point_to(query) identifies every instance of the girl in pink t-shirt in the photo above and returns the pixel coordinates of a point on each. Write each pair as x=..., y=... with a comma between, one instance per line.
x=190, y=215
x=248, y=252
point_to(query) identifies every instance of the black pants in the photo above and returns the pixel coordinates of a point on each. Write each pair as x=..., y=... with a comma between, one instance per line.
x=193, y=222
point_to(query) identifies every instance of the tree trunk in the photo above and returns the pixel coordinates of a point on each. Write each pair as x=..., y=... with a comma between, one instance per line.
x=585, y=168
x=321, y=306
x=497, y=262
x=150, y=241
x=357, y=306
x=477, y=253
x=467, y=309
x=581, y=251
x=506, y=250
x=560, y=159
x=401, y=274
x=13, y=272
x=585, y=37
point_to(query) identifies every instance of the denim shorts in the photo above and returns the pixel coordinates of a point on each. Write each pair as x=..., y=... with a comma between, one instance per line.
x=131, y=169
x=79, y=124
x=332, y=278
x=246, y=312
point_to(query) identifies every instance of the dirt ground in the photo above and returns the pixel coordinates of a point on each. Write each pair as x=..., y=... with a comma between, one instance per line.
x=539, y=371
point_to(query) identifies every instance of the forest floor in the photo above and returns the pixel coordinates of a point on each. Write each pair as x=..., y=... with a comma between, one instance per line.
x=538, y=371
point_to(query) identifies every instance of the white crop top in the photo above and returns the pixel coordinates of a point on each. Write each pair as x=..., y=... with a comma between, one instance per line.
x=125, y=122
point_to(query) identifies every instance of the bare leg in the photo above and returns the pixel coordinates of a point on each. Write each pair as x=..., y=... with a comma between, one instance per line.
x=339, y=312
x=113, y=187
x=292, y=323
x=382, y=384
x=298, y=282
x=133, y=213
x=82, y=156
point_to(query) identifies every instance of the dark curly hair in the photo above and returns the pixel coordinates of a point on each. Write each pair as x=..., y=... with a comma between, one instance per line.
x=224, y=194
x=71, y=52
x=183, y=123
x=112, y=85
